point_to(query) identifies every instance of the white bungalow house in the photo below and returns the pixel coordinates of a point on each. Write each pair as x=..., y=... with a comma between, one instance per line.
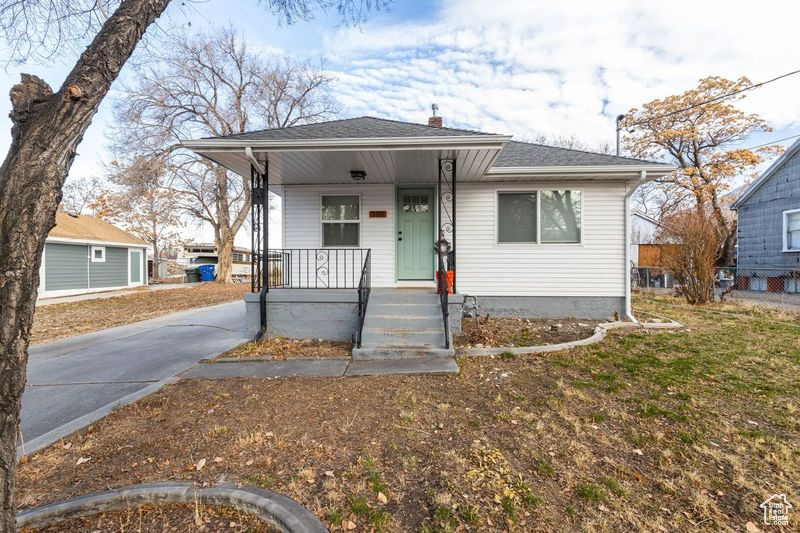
x=522, y=230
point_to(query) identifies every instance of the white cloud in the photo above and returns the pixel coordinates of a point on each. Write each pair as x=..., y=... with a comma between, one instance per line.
x=521, y=66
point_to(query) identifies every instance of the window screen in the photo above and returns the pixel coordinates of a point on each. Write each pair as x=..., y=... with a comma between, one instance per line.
x=340, y=220
x=516, y=217
x=561, y=216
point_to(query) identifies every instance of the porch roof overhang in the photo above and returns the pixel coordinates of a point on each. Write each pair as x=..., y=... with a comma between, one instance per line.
x=330, y=161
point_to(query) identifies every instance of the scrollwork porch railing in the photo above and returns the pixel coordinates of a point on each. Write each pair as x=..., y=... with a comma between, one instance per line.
x=316, y=268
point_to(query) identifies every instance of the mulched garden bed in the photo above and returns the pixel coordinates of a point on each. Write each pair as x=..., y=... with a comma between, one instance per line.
x=283, y=348
x=499, y=332
x=158, y=518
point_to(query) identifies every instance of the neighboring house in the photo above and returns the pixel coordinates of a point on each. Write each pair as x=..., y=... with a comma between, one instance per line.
x=643, y=232
x=84, y=254
x=531, y=230
x=193, y=254
x=769, y=227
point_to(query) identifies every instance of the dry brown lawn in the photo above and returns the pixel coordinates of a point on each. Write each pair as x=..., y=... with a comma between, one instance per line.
x=686, y=430
x=162, y=518
x=73, y=318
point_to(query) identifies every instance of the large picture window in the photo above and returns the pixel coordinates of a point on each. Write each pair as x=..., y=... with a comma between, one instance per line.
x=561, y=216
x=341, y=220
x=791, y=230
x=516, y=213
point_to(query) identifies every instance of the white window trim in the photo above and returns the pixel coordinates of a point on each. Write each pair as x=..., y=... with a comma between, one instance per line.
x=538, y=191
x=102, y=249
x=786, y=214
x=353, y=221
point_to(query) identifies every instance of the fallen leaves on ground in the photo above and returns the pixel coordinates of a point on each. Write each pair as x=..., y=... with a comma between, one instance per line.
x=73, y=318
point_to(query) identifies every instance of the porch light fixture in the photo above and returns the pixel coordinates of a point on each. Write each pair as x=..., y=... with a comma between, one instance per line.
x=358, y=175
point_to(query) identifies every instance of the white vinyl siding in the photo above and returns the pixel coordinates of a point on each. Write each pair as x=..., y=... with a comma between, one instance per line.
x=594, y=267
x=301, y=222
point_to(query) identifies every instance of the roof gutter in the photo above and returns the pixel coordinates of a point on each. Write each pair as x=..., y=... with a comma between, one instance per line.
x=655, y=169
x=385, y=143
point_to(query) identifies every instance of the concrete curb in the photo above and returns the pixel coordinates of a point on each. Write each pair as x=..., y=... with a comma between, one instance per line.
x=54, y=435
x=599, y=334
x=277, y=510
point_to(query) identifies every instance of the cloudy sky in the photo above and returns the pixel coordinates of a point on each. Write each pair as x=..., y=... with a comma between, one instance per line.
x=510, y=66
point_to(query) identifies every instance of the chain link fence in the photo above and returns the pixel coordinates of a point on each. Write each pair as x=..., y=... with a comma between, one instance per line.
x=775, y=287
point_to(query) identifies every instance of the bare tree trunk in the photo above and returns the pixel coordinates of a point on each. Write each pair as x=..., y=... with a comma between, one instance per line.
x=47, y=129
x=225, y=254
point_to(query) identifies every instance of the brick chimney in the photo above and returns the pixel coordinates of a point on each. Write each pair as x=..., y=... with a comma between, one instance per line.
x=435, y=121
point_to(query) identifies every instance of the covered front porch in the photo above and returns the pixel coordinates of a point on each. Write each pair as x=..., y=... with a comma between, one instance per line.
x=358, y=214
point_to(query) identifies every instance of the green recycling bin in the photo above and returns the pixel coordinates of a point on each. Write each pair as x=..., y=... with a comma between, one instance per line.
x=192, y=275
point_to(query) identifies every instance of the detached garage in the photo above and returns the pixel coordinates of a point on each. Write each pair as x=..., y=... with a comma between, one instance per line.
x=84, y=254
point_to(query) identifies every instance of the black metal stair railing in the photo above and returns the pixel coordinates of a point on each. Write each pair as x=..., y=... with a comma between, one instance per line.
x=443, y=288
x=364, y=287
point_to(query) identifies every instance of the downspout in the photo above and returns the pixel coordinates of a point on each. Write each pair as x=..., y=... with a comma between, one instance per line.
x=627, y=272
x=249, y=153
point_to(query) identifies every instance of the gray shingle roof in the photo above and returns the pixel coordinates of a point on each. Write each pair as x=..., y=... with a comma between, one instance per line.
x=352, y=128
x=515, y=154
x=521, y=154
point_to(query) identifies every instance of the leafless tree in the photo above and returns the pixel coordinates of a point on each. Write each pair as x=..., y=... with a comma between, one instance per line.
x=570, y=142
x=82, y=195
x=144, y=205
x=47, y=128
x=211, y=85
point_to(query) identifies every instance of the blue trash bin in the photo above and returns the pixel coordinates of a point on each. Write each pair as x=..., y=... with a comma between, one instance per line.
x=206, y=272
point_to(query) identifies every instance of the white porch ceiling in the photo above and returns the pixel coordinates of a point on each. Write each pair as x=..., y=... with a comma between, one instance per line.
x=384, y=160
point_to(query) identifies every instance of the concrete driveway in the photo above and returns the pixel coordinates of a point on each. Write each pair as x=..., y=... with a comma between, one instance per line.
x=75, y=381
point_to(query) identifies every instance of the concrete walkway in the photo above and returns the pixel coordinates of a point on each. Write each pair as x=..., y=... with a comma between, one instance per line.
x=113, y=294
x=323, y=368
x=75, y=381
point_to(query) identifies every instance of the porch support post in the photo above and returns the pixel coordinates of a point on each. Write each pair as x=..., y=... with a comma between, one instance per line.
x=453, y=259
x=265, y=224
x=259, y=238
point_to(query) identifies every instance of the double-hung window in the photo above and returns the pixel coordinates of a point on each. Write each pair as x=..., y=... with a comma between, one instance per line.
x=341, y=220
x=547, y=217
x=791, y=230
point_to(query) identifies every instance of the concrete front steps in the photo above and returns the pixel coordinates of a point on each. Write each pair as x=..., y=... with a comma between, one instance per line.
x=403, y=324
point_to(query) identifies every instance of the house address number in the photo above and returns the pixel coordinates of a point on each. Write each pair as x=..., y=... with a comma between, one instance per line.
x=377, y=214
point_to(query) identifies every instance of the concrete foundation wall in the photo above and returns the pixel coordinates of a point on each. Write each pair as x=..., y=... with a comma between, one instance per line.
x=594, y=307
x=306, y=314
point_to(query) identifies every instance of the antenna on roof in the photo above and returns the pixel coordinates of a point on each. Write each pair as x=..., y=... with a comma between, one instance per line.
x=434, y=108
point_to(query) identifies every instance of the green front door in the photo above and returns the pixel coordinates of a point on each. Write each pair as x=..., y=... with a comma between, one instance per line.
x=415, y=234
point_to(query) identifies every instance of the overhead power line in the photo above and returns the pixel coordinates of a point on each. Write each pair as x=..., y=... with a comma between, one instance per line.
x=773, y=142
x=722, y=96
